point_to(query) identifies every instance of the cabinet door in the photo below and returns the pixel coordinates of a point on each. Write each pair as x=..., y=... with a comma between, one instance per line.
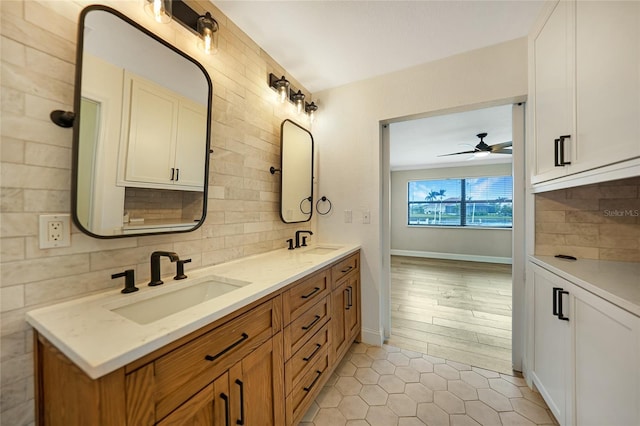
x=210, y=406
x=607, y=82
x=552, y=340
x=339, y=318
x=352, y=322
x=190, y=152
x=607, y=363
x=151, y=134
x=257, y=386
x=553, y=90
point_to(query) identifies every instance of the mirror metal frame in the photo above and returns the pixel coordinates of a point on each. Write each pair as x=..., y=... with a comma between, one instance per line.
x=282, y=167
x=77, y=98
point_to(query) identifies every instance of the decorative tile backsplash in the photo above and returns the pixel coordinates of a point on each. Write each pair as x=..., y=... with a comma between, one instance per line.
x=599, y=221
x=38, y=67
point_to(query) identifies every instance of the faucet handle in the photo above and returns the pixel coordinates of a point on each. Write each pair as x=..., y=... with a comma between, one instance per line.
x=290, y=241
x=129, y=280
x=304, y=241
x=180, y=269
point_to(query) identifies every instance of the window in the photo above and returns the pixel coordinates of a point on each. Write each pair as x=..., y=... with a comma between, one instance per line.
x=477, y=202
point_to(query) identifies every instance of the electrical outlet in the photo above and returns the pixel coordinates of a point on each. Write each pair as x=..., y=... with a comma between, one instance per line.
x=366, y=217
x=55, y=231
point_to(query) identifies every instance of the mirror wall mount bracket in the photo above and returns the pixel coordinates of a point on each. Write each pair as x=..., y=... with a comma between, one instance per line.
x=273, y=170
x=63, y=118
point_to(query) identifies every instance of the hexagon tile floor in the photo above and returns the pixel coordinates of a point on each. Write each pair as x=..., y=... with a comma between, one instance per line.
x=388, y=386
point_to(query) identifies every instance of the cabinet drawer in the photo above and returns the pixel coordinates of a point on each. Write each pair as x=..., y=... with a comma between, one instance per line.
x=302, y=360
x=184, y=371
x=343, y=268
x=304, y=294
x=307, y=388
x=306, y=325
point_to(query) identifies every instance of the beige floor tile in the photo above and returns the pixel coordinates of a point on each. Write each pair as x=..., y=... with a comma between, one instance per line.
x=530, y=410
x=402, y=405
x=382, y=366
x=328, y=397
x=329, y=417
x=408, y=374
x=418, y=392
x=506, y=388
x=463, y=390
x=462, y=420
x=348, y=386
x=353, y=407
x=361, y=360
x=367, y=376
x=433, y=381
x=410, y=421
x=448, y=402
x=421, y=365
x=374, y=395
x=391, y=383
x=446, y=371
x=511, y=418
x=482, y=413
x=432, y=415
x=495, y=400
x=381, y=416
x=474, y=379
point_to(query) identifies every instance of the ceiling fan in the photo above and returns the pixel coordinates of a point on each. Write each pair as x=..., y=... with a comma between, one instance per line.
x=482, y=149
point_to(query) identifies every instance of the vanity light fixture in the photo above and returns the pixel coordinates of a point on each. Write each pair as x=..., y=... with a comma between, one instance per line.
x=310, y=109
x=298, y=100
x=203, y=26
x=208, y=33
x=281, y=86
x=160, y=10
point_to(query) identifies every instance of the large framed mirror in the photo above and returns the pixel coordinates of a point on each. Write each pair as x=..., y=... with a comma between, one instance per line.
x=141, y=132
x=296, y=194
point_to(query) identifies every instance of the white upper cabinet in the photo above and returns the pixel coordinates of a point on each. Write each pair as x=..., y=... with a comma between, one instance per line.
x=163, y=138
x=607, y=83
x=553, y=89
x=585, y=87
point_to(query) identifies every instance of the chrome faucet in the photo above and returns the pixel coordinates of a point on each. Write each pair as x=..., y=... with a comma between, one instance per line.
x=304, y=239
x=155, y=265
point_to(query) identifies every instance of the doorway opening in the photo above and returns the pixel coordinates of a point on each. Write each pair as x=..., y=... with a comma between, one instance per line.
x=454, y=237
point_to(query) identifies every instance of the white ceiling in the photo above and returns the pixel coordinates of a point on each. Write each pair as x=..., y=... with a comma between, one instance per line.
x=417, y=144
x=324, y=44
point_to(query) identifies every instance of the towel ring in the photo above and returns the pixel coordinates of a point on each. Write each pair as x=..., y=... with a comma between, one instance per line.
x=303, y=200
x=324, y=200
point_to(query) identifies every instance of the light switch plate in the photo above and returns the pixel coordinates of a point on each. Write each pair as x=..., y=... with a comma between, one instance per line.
x=55, y=230
x=366, y=217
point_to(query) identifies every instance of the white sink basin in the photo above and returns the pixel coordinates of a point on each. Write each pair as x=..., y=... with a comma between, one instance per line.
x=321, y=250
x=154, y=308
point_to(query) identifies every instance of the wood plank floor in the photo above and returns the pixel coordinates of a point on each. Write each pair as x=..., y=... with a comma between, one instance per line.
x=460, y=311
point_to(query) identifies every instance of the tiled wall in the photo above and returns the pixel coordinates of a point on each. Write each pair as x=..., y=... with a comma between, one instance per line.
x=600, y=221
x=38, y=54
x=162, y=204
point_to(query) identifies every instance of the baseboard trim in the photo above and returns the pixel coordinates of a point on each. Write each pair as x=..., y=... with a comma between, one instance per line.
x=372, y=337
x=452, y=256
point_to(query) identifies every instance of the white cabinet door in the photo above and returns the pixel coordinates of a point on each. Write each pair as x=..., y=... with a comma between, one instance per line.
x=553, y=90
x=607, y=363
x=191, y=155
x=552, y=340
x=152, y=131
x=607, y=83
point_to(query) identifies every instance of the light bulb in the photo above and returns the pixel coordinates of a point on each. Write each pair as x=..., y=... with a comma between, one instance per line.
x=159, y=10
x=282, y=94
x=481, y=154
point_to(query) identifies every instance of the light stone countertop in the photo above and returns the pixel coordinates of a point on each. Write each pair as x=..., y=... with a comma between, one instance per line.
x=616, y=282
x=100, y=341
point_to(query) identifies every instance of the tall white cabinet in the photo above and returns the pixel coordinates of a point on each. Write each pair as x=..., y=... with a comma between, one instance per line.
x=585, y=87
x=586, y=357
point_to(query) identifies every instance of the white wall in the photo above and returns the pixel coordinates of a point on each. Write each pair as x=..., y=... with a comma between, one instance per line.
x=348, y=136
x=490, y=245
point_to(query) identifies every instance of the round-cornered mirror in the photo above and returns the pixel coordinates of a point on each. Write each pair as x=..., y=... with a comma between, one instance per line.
x=296, y=195
x=141, y=133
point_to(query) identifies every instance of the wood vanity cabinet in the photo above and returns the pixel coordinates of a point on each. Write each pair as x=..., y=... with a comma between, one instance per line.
x=261, y=365
x=584, y=87
x=586, y=354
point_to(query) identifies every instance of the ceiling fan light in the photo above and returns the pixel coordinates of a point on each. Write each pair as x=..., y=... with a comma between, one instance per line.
x=481, y=154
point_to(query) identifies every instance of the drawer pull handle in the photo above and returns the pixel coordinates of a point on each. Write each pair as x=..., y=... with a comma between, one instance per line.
x=308, y=388
x=344, y=271
x=315, y=290
x=555, y=300
x=173, y=173
x=315, y=351
x=225, y=398
x=240, y=421
x=244, y=337
x=306, y=327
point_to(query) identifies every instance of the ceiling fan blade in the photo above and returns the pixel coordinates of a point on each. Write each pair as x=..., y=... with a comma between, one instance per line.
x=500, y=146
x=503, y=151
x=458, y=153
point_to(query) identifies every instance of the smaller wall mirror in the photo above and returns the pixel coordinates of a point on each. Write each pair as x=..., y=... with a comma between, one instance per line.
x=296, y=194
x=141, y=133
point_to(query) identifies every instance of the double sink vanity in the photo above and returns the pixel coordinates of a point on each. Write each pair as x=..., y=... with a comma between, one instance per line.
x=250, y=341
